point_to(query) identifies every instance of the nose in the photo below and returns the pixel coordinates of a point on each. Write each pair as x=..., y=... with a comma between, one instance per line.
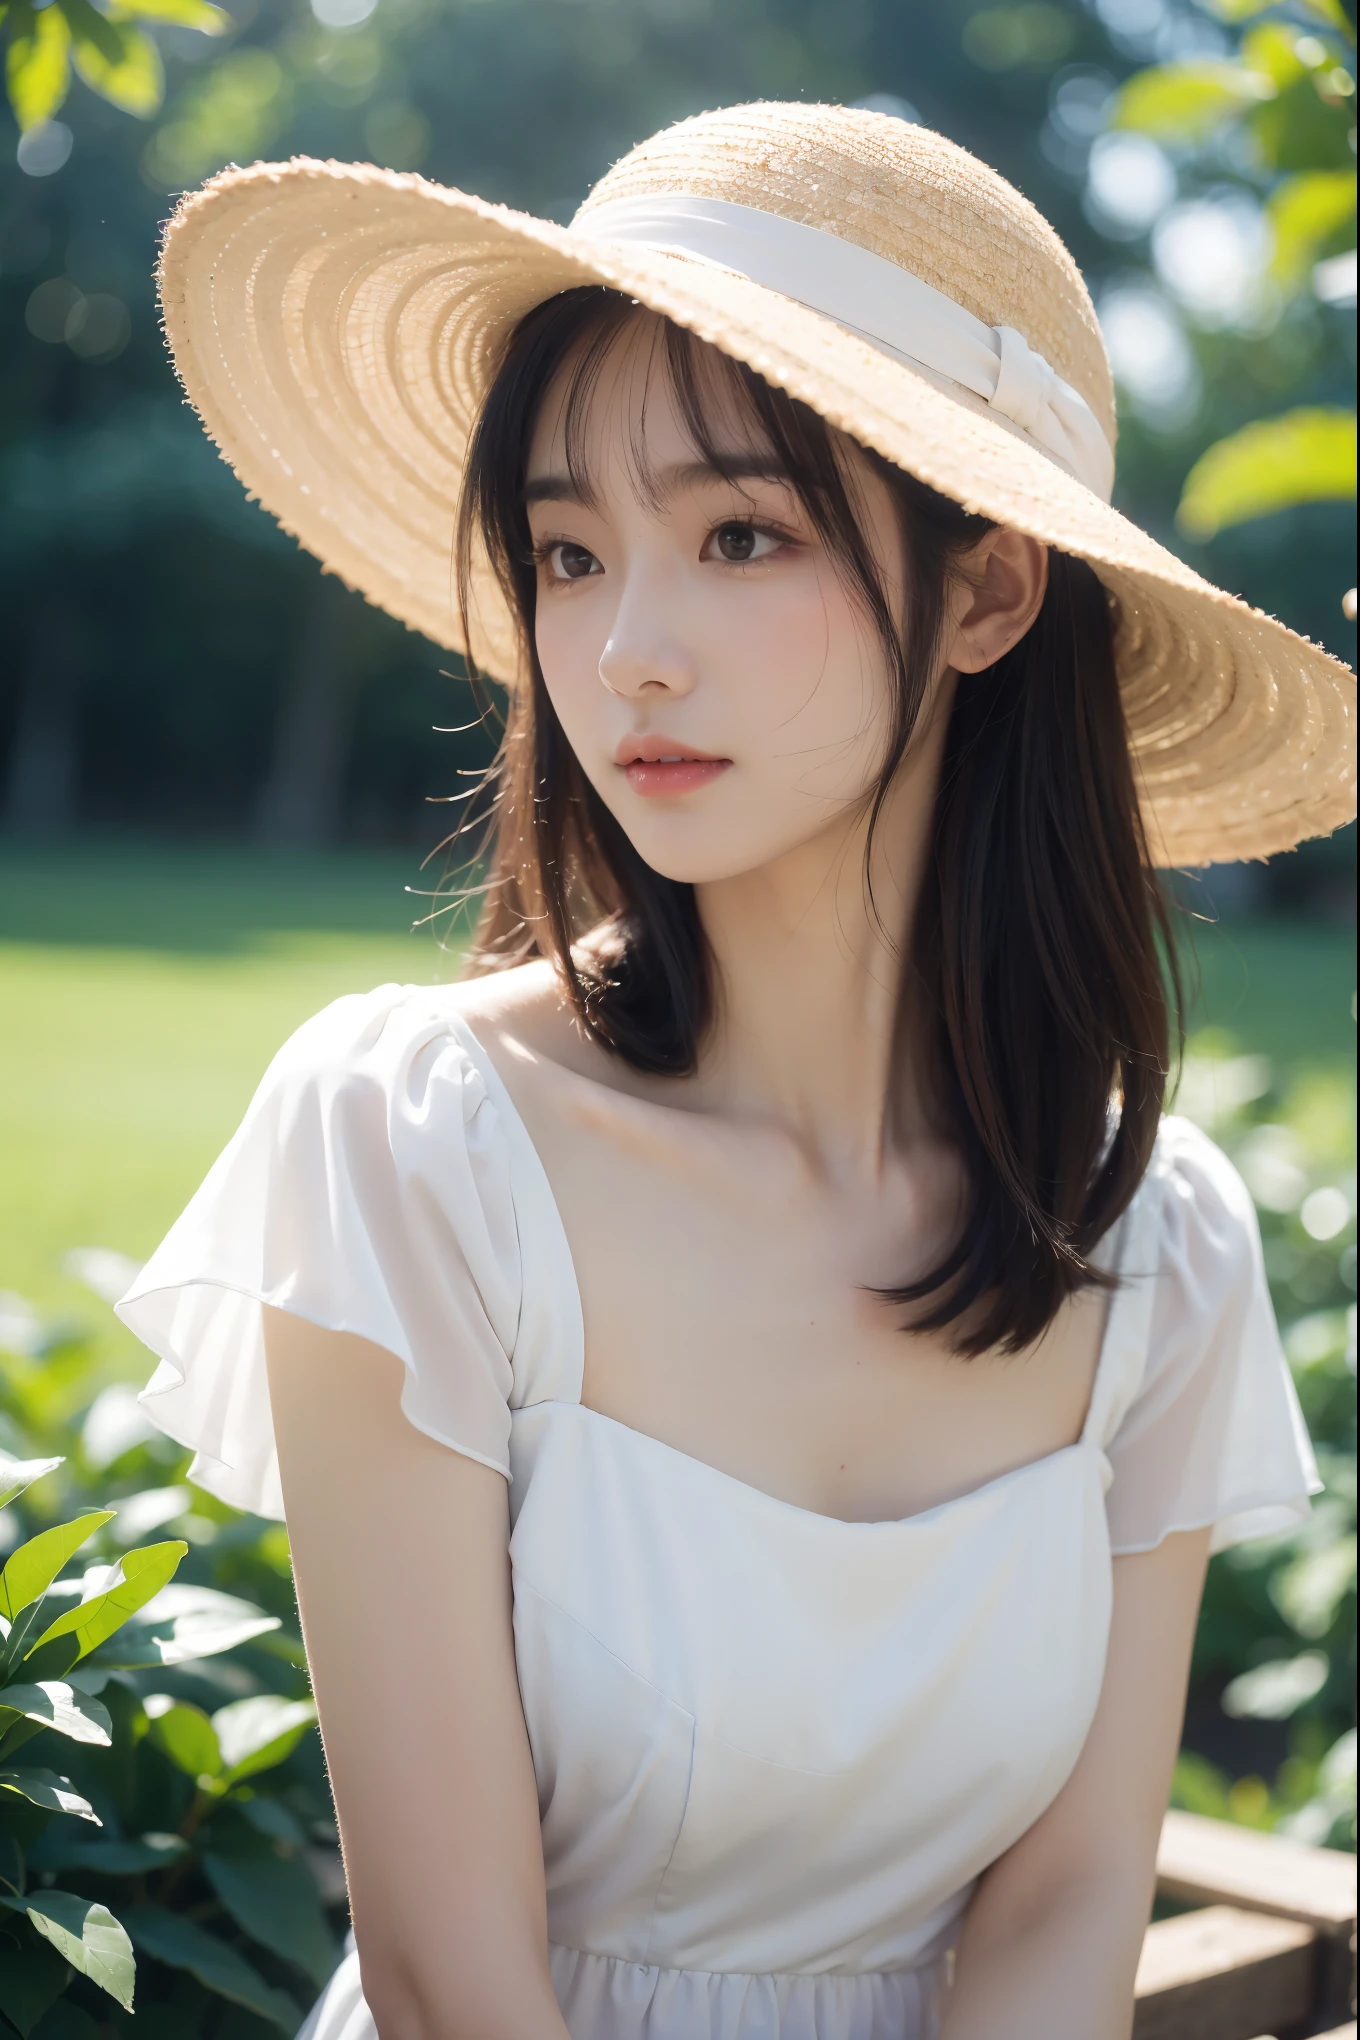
x=645, y=654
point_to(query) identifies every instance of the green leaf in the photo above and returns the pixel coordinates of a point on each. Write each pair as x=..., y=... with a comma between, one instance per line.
x=199, y=14
x=48, y=1790
x=257, y=1733
x=1306, y=456
x=1187, y=102
x=134, y=81
x=140, y=1575
x=185, y=1622
x=1271, y=50
x=31, y=1979
x=1276, y=1689
x=275, y=1899
x=11, y=1865
x=1310, y=1590
x=1305, y=213
x=1298, y=130
x=88, y=1936
x=110, y=1858
x=88, y=25
x=33, y=1567
x=17, y=1474
x=1332, y=13
x=38, y=75
x=182, y=1944
x=1237, y=10
x=271, y=1818
x=66, y=2021
x=50, y=1660
x=51, y=1703
x=183, y=1733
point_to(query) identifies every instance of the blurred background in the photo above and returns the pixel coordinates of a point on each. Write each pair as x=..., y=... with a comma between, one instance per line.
x=220, y=773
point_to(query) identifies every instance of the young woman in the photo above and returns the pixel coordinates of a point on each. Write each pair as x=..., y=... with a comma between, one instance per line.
x=757, y=1337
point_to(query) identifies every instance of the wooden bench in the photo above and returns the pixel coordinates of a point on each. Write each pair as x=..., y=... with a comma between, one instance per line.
x=1269, y=1951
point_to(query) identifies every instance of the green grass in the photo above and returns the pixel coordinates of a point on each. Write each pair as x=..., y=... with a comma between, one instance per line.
x=1283, y=988
x=144, y=990
x=143, y=994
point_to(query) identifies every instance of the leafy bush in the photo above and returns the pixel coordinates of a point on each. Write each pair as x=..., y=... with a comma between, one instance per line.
x=181, y=1845
x=1276, y=1642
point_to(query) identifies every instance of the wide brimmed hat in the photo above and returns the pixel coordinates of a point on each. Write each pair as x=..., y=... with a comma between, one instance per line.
x=336, y=327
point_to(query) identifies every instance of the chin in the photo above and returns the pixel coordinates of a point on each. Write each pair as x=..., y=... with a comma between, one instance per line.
x=695, y=852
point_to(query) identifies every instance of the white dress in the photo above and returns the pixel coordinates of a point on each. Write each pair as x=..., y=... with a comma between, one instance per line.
x=774, y=1750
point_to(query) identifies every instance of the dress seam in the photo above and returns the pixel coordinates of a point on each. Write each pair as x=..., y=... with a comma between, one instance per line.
x=723, y=1742
x=609, y=1652
x=846, y=1976
x=680, y=1829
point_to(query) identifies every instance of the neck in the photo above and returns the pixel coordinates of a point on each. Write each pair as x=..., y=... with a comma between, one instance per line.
x=810, y=952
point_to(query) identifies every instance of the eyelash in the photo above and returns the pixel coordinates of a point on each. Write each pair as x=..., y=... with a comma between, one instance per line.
x=542, y=554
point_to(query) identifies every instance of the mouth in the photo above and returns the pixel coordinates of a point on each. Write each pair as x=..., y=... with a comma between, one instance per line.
x=658, y=764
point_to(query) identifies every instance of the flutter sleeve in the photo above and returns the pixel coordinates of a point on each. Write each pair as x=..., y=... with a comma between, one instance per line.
x=1211, y=1432
x=367, y=1190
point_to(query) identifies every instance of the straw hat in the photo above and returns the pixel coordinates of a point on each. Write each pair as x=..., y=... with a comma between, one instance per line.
x=336, y=325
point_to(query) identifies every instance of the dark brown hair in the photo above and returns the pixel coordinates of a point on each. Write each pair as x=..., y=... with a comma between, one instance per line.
x=1036, y=966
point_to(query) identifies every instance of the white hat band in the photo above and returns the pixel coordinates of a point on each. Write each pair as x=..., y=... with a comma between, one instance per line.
x=884, y=304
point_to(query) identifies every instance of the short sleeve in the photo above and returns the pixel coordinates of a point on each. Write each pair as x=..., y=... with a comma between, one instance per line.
x=1210, y=1431
x=367, y=1190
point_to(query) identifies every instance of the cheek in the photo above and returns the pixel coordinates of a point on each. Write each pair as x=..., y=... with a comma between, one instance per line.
x=815, y=686
x=570, y=633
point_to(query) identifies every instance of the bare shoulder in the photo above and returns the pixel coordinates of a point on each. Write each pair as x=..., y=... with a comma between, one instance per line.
x=562, y=1082
x=527, y=1000
x=524, y=1020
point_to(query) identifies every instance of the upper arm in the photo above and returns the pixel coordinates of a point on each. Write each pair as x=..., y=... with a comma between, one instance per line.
x=400, y=1554
x=1088, y=1862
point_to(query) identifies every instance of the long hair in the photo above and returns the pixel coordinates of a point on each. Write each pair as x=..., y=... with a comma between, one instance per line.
x=1035, y=975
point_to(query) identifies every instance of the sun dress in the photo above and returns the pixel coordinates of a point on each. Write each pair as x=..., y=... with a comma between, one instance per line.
x=774, y=1750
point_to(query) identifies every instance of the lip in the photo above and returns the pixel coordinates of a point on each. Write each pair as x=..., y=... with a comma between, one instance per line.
x=649, y=748
x=655, y=764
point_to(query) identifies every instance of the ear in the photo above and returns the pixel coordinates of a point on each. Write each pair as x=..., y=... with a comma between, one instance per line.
x=997, y=598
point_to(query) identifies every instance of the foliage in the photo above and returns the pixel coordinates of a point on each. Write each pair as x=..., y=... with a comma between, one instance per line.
x=1276, y=1642
x=1306, y=456
x=1281, y=110
x=109, y=51
x=176, y=1849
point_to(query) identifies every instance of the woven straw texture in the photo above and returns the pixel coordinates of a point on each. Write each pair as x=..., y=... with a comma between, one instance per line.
x=335, y=327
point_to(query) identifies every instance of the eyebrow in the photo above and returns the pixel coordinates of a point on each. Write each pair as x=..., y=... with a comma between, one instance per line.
x=668, y=481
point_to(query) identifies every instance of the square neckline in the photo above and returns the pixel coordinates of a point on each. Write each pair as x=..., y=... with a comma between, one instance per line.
x=552, y=1242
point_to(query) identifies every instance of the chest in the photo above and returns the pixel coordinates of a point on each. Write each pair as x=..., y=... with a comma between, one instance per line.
x=729, y=1311
x=767, y=1740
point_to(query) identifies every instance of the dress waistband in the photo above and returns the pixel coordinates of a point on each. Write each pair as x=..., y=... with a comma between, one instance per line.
x=605, y=1998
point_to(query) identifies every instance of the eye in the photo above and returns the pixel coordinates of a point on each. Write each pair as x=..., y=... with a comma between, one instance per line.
x=739, y=543
x=568, y=562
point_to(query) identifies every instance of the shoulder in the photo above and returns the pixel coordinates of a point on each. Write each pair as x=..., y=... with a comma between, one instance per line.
x=1202, y=1206
x=524, y=1010
x=393, y=1078
x=415, y=1038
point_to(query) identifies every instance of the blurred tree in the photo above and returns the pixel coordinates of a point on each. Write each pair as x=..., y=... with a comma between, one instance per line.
x=112, y=503
x=300, y=802
x=40, y=786
x=1281, y=112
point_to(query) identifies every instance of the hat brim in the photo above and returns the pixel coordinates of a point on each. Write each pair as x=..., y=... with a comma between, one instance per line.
x=335, y=326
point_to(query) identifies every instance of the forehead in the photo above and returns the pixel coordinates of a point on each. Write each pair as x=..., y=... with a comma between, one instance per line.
x=637, y=397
